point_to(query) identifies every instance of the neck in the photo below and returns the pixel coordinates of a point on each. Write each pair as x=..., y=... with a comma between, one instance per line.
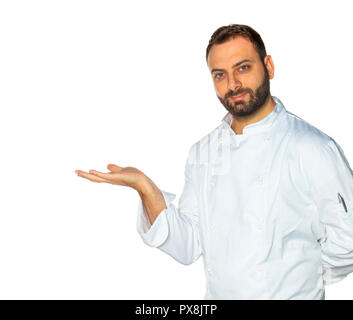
x=238, y=123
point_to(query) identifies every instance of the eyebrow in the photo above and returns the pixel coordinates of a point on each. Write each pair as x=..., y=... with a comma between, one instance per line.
x=237, y=64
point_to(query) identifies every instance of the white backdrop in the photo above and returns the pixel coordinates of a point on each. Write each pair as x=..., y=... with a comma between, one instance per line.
x=87, y=83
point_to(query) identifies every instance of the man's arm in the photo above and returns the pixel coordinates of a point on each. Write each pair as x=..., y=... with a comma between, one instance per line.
x=160, y=224
x=174, y=230
x=152, y=199
x=331, y=184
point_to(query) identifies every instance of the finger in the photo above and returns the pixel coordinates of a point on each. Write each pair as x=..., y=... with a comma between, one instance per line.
x=91, y=177
x=105, y=176
x=114, y=167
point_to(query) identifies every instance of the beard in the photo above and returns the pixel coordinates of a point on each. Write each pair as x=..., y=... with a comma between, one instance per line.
x=240, y=108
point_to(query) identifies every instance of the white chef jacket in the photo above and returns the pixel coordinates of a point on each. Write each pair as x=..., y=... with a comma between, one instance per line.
x=269, y=210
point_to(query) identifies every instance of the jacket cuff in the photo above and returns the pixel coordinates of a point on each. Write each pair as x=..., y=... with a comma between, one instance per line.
x=154, y=235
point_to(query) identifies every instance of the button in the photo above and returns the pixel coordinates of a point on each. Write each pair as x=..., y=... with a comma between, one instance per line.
x=259, y=269
x=267, y=140
x=212, y=227
x=261, y=181
x=259, y=226
x=209, y=269
x=212, y=183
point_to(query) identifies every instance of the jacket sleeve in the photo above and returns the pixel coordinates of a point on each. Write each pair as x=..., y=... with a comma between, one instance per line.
x=331, y=183
x=176, y=229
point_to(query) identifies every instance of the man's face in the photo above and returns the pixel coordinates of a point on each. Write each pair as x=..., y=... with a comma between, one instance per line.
x=236, y=69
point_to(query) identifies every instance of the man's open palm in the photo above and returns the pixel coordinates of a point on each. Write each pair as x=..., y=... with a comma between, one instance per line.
x=124, y=176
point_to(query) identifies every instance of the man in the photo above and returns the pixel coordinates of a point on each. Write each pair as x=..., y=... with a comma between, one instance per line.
x=268, y=198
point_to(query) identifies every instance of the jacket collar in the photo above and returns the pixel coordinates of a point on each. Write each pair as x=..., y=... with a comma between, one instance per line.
x=259, y=126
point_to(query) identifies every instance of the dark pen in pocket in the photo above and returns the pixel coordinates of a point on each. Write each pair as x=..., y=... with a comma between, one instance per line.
x=341, y=200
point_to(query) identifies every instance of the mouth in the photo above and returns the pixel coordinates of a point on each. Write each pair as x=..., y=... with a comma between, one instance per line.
x=239, y=96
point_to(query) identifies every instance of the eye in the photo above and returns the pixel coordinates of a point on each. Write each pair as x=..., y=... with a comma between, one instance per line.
x=216, y=75
x=244, y=66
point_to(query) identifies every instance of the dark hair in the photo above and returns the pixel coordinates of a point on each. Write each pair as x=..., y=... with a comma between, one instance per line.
x=225, y=33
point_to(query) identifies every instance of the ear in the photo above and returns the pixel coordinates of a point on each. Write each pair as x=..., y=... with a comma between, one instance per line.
x=269, y=66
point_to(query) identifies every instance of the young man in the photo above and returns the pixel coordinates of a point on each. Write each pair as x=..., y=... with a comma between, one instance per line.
x=268, y=198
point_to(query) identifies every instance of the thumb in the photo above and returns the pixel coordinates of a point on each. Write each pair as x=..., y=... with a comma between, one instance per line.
x=114, y=167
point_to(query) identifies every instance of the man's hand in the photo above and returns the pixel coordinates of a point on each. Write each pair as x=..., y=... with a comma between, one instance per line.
x=151, y=196
x=128, y=176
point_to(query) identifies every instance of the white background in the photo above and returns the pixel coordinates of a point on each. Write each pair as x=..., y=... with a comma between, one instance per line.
x=87, y=83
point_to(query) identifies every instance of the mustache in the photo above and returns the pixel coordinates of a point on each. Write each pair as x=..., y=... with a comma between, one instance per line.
x=234, y=94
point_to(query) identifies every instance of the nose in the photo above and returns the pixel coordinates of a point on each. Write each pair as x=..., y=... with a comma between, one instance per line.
x=233, y=83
